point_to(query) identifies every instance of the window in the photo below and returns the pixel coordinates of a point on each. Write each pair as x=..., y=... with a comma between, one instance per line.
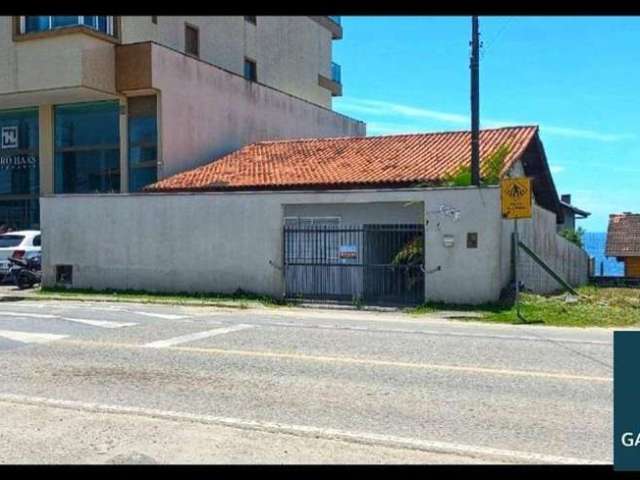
x=143, y=142
x=36, y=241
x=87, y=148
x=42, y=23
x=19, y=169
x=251, y=19
x=250, y=70
x=7, y=241
x=64, y=274
x=191, y=40
x=154, y=19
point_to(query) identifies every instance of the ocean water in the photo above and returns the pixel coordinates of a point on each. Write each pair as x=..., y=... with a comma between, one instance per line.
x=594, y=244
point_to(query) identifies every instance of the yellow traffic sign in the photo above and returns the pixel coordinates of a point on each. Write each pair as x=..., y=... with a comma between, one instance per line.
x=515, y=196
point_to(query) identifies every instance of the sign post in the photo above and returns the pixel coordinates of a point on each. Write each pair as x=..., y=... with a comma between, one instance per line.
x=516, y=202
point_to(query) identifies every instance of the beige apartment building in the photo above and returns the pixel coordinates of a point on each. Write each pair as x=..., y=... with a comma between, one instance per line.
x=107, y=104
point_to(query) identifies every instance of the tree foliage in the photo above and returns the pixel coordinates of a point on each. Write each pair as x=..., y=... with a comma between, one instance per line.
x=574, y=236
x=461, y=176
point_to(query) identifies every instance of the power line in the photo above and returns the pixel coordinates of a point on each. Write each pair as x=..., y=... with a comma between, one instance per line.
x=492, y=41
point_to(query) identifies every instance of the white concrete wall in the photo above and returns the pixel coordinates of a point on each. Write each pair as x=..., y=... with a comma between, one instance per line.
x=206, y=112
x=468, y=276
x=565, y=258
x=219, y=242
x=361, y=213
x=289, y=51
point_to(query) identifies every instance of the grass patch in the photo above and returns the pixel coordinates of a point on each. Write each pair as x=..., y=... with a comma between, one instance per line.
x=237, y=300
x=596, y=307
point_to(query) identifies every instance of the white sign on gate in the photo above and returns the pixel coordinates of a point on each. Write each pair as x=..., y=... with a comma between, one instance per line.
x=348, y=252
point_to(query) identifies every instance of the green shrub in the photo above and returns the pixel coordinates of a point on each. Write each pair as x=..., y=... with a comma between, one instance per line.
x=574, y=236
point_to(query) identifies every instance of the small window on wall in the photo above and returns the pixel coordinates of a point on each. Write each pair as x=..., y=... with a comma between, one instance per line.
x=154, y=19
x=143, y=141
x=64, y=275
x=251, y=19
x=250, y=70
x=191, y=40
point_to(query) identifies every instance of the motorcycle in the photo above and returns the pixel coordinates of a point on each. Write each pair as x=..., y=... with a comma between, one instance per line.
x=26, y=272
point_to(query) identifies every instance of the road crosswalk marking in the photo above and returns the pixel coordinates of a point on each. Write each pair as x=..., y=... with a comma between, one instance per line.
x=27, y=315
x=195, y=336
x=166, y=316
x=30, y=337
x=94, y=323
x=100, y=323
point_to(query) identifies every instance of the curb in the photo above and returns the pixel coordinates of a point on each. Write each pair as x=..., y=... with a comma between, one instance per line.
x=17, y=298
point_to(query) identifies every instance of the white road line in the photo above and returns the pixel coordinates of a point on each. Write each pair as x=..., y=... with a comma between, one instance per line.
x=100, y=323
x=95, y=323
x=166, y=316
x=27, y=315
x=310, y=431
x=30, y=337
x=66, y=305
x=195, y=336
x=496, y=336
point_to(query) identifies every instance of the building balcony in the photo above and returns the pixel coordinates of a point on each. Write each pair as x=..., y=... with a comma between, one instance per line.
x=334, y=84
x=30, y=26
x=331, y=23
x=69, y=64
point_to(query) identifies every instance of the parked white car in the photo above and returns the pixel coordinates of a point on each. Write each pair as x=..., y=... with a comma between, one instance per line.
x=19, y=244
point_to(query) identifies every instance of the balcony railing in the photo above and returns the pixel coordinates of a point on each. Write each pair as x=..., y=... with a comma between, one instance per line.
x=335, y=19
x=336, y=72
x=43, y=23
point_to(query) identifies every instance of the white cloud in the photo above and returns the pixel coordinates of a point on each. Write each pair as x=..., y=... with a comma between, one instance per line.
x=417, y=115
x=586, y=134
x=556, y=168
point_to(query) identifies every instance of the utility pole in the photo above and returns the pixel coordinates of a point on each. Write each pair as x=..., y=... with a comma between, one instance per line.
x=475, y=102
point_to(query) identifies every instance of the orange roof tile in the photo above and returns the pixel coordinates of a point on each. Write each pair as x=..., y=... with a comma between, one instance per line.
x=348, y=161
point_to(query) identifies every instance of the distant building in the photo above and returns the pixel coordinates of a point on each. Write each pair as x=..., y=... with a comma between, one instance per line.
x=623, y=241
x=571, y=213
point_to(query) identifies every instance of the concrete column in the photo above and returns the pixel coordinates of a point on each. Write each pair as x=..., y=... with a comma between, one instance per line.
x=124, y=147
x=45, y=148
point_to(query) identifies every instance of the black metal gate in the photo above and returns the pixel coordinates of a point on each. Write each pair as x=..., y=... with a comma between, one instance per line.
x=374, y=264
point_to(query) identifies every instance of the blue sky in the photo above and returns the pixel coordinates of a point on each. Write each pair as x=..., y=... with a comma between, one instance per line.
x=576, y=77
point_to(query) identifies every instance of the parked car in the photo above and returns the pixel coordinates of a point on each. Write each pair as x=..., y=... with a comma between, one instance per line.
x=20, y=244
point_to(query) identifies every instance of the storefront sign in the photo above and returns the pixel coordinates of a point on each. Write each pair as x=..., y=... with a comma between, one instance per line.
x=18, y=162
x=9, y=138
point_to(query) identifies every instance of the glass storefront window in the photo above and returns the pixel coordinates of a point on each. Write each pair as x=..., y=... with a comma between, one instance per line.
x=20, y=214
x=19, y=168
x=87, y=148
x=143, y=142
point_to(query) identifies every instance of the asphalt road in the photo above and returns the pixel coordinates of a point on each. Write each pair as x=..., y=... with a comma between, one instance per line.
x=125, y=383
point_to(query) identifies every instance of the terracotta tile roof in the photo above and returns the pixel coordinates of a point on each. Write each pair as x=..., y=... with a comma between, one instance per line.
x=623, y=235
x=348, y=161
